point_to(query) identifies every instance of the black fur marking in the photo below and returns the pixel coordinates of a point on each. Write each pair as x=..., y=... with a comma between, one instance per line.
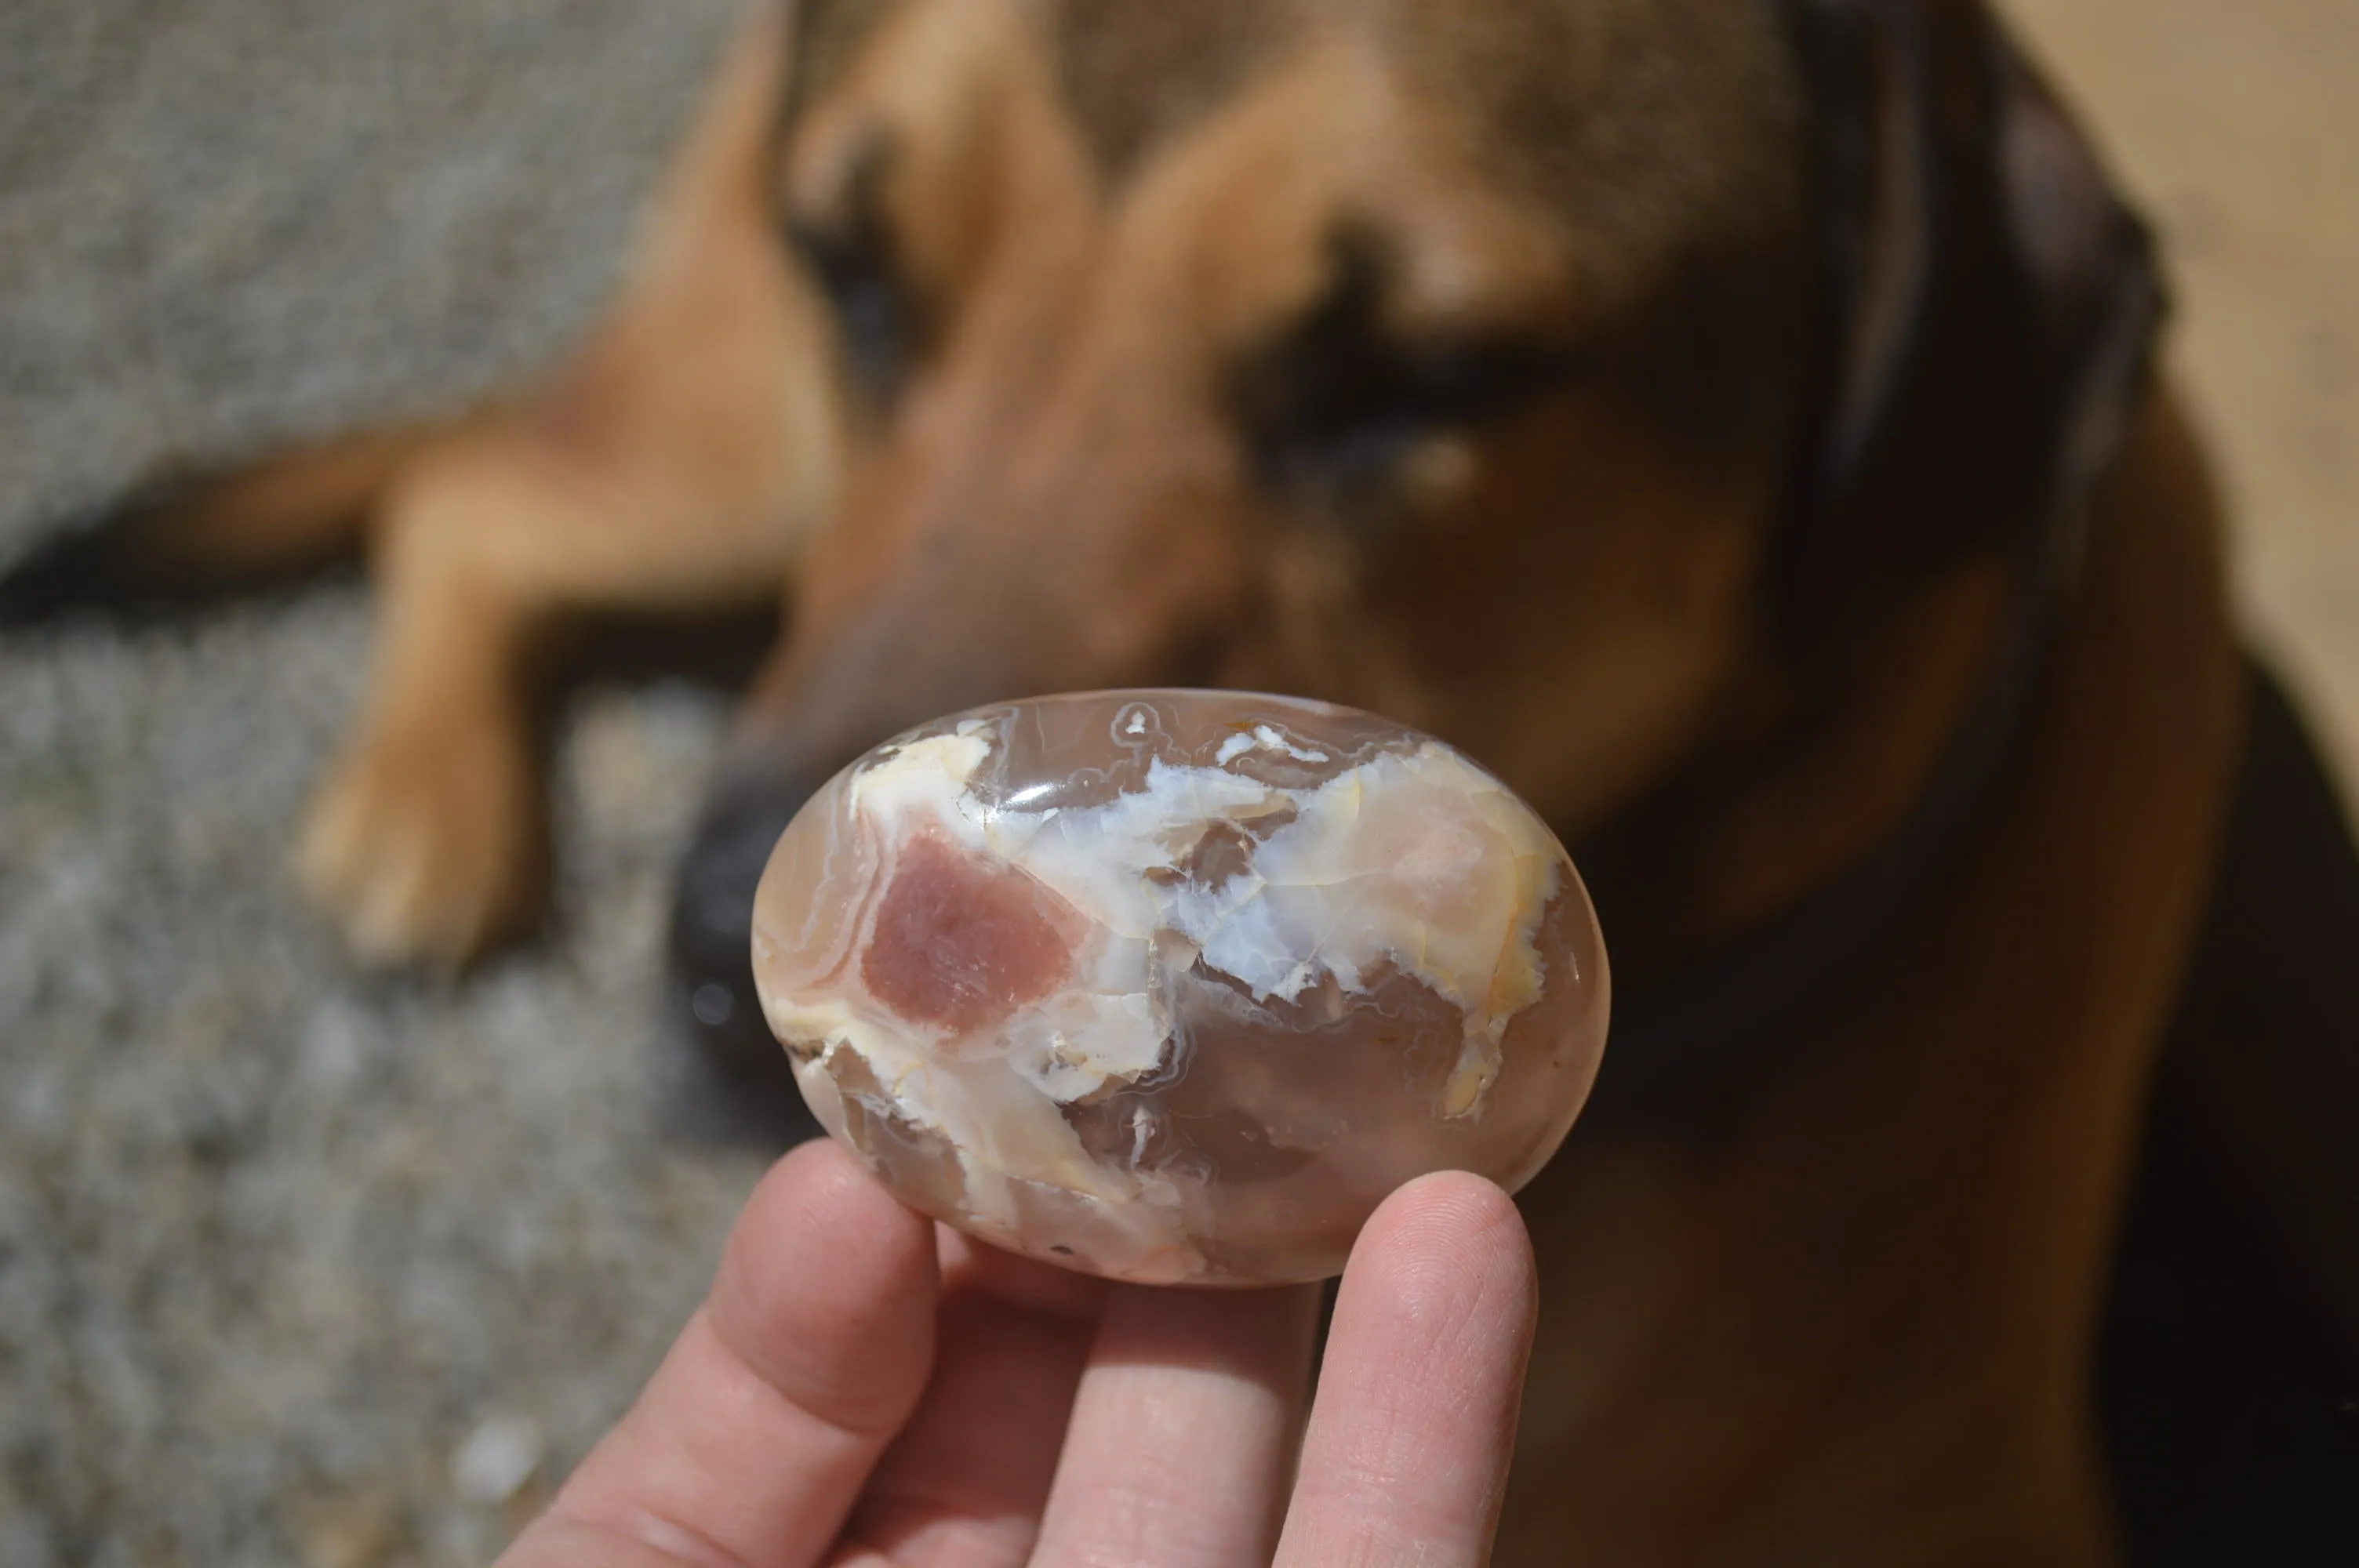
x=2229, y=1379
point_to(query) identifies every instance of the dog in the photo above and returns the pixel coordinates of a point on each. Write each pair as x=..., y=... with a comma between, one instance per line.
x=1733, y=423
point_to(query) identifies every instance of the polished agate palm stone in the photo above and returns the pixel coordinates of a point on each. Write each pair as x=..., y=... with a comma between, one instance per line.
x=1174, y=986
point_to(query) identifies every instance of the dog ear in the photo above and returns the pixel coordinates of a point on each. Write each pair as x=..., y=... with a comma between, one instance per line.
x=1991, y=310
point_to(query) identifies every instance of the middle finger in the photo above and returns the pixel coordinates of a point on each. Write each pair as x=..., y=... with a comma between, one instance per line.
x=1183, y=1430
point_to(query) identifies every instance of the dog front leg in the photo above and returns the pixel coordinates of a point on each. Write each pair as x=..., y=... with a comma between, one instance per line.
x=674, y=467
x=429, y=839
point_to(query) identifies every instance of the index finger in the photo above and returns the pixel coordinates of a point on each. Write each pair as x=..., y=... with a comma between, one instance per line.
x=756, y=1434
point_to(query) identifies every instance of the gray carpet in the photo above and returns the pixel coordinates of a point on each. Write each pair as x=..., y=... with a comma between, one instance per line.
x=226, y=225
x=296, y=1266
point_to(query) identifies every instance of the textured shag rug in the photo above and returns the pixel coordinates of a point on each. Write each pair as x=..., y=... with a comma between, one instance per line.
x=299, y=1266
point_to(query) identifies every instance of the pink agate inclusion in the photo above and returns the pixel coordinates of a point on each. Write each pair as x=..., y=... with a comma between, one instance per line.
x=1174, y=987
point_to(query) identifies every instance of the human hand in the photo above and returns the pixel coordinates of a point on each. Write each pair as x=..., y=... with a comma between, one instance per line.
x=865, y=1388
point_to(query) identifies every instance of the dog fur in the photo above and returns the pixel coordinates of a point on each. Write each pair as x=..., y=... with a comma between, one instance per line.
x=1486, y=365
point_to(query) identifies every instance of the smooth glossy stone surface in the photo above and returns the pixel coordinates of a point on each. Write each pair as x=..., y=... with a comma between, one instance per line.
x=1178, y=986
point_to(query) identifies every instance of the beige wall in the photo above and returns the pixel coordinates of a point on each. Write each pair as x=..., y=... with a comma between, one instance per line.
x=2236, y=123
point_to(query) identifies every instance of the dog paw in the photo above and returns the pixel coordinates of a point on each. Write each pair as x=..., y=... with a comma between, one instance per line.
x=427, y=844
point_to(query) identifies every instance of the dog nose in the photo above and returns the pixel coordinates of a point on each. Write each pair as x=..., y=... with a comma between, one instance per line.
x=740, y=1080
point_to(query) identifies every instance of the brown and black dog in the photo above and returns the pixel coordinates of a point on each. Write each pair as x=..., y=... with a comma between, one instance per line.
x=1731, y=422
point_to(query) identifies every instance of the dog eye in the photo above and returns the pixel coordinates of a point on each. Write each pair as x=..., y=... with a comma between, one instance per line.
x=1338, y=419
x=852, y=260
x=856, y=274
x=1332, y=406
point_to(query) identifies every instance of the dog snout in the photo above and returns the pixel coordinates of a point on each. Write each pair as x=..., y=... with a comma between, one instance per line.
x=810, y=716
x=710, y=998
